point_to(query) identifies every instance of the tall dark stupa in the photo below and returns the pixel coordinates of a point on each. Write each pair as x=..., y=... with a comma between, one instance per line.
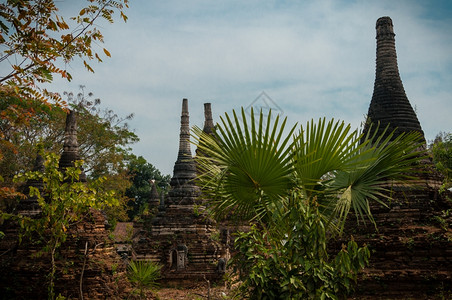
x=411, y=257
x=389, y=105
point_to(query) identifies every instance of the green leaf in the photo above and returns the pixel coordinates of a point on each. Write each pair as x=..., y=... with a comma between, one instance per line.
x=244, y=168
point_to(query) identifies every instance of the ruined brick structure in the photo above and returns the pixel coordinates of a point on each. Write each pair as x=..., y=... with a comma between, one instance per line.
x=389, y=105
x=30, y=206
x=412, y=249
x=88, y=249
x=180, y=237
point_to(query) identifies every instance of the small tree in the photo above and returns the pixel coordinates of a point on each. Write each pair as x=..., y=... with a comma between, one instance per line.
x=291, y=261
x=35, y=41
x=144, y=275
x=64, y=202
x=141, y=173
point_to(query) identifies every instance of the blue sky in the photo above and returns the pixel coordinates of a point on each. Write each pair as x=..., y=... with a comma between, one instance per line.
x=312, y=58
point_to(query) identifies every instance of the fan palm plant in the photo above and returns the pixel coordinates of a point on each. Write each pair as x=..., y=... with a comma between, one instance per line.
x=297, y=186
x=143, y=275
x=249, y=166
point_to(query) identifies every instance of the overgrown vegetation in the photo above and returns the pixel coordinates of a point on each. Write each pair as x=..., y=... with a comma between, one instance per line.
x=35, y=41
x=297, y=189
x=64, y=202
x=441, y=149
x=104, y=142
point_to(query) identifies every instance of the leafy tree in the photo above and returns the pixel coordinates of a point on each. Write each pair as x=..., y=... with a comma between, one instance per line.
x=17, y=117
x=141, y=173
x=35, y=40
x=251, y=168
x=105, y=140
x=291, y=261
x=64, y=202
x=103, y=136
x=20, y=137
x=442, y=156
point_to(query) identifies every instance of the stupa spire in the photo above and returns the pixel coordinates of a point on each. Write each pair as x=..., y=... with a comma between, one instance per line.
x=184, y=168
x=70, y=147
x=389, y=105
x=154, y=198
x=208, y=124
x=208, y=120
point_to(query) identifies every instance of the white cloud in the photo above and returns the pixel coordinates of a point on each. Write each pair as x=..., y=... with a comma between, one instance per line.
x=314, y=58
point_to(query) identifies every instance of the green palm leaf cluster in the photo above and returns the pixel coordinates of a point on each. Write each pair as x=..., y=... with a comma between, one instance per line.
x=143, y=275
x=251, y=164
x=245, y=166
x=298, y=186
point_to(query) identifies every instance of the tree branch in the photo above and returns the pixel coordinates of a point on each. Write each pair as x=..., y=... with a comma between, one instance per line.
x=34, y=63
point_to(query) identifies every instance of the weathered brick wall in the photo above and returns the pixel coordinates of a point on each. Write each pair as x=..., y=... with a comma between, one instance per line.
x=181, y=229
x=24, y=276
x=412, y=248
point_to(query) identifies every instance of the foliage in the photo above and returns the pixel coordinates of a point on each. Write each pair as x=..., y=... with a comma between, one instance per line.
x=35, y=40
x=299, y=188
x=24, y=124
x=250, y=165
x=291, y=261
x=15, y=114
x=141, y=173
x=103, y=136
x=64, y=202
x=442, y=156
x=144, y=275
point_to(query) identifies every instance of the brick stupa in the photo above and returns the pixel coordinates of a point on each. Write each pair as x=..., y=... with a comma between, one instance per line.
x=24, y=274
x=411, y=256
x=70, y=147
x=389, y=105
x=181, y=237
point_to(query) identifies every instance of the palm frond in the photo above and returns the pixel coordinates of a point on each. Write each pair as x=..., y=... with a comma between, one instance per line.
x=246, y=164
x=144, y=274
x=322, y=149
x=378, y=162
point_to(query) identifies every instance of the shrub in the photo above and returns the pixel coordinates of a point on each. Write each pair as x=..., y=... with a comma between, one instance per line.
x=144, y=275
